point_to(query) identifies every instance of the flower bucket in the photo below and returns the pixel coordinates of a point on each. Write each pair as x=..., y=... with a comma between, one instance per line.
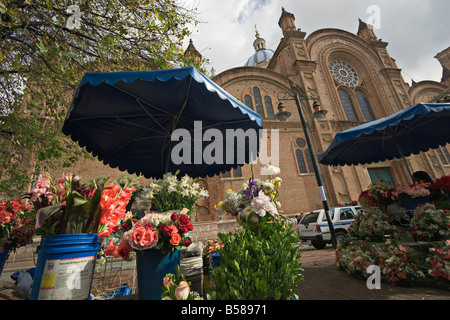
x=413, y=203
x=4, y=254
x=215, y=259
x=152, y=266
x=65, y=267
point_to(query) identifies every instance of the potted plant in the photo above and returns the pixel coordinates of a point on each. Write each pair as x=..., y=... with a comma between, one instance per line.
x=16, y=227
x=261, y=261
x=69, y=216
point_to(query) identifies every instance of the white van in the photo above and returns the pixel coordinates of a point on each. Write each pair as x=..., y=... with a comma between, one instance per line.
x=314, y=225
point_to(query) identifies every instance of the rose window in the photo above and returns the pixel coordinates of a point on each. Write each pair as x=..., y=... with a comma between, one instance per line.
x=344, y=73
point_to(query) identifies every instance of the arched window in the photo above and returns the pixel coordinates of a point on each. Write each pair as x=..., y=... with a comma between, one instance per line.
x=233, y=173
x=248, y=101
x=269, y=107
x=364, y=105
x=347, y=104
x=263, y=107
x=258, y=101
x=303, y=156
x=345, y=75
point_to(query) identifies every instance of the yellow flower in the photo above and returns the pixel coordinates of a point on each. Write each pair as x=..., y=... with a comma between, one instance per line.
x=229, y=190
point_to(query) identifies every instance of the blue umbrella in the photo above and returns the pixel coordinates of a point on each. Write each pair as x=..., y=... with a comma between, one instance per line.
x=138, y=121
x=415, y=129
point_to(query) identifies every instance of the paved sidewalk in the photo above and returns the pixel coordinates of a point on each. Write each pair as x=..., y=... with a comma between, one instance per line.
x=323, y=281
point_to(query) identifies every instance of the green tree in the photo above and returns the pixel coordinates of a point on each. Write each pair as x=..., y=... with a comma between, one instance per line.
x=47, y=46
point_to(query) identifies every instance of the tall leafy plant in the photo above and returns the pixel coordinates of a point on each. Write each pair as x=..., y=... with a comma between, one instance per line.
x=260, y=262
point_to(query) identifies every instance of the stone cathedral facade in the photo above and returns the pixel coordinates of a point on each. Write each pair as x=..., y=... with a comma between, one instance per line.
x=350, y=75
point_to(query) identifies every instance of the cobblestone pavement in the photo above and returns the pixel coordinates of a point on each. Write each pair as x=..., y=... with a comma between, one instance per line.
x=323, y=281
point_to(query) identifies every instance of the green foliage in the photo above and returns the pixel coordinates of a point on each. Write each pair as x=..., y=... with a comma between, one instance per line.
x=43, y=58
x=430, y=223
x=261, y=262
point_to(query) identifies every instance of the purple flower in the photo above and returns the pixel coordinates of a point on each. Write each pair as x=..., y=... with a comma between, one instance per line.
x=252, y=189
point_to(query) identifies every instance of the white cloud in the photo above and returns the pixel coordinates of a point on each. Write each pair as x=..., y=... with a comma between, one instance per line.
x=416, y=30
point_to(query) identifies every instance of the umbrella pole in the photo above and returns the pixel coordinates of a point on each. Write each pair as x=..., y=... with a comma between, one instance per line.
x=394, y=137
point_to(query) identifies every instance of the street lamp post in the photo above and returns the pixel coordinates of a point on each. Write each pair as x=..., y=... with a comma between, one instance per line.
x=282, y=115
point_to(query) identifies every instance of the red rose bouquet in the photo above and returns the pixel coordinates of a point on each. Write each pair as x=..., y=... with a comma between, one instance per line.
x=162, y=231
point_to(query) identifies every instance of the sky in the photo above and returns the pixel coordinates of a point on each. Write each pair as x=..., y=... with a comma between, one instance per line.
x=416, y=30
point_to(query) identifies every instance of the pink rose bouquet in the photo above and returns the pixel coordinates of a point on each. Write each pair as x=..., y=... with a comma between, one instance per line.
x=162, y=231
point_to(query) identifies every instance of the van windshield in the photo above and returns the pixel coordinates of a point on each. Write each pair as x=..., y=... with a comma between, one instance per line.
x=310, y=217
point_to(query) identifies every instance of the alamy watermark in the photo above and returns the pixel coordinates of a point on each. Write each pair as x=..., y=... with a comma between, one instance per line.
x=74, y=21
x=374, y=280
x=236, y=146
x=374, y=20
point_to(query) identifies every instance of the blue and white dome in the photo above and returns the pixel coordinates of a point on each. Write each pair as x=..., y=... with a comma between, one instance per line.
x=262, y=55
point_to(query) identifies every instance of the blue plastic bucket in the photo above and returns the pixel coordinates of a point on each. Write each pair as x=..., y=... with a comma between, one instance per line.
x=65, y=267
x=4, y=254
x=152, y=266
x=215, y=259
x=414, y=203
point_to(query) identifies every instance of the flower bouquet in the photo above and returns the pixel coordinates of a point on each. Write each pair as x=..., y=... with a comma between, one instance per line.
x=439, y=260
x=171, y=193
x=254, y=200
x=410, y=195
x=16, y=224
x=440, y=192
x=165, y=232
x=430, y=223
x=73, y=217
x=177, y=288
x=165, y=227
x=261, y=261
x=377, y=195
x=72, y=207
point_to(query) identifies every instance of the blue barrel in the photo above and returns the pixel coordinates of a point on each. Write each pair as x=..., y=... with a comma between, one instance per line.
x=65, y=267
x=4, y=254
x=215, y=260
x=151, y=267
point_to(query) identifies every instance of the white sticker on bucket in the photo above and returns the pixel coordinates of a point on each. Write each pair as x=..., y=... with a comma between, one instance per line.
x=67, y=279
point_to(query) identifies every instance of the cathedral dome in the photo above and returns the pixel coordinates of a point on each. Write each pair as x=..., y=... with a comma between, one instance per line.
x=262, y=55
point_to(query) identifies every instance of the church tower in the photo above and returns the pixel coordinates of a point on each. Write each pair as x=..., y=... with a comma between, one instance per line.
x=444, y=58
x=262, y=55
x=193, y=53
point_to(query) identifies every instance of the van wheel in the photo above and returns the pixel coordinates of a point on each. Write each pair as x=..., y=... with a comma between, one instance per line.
x=340, y=236
x=318, y=244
